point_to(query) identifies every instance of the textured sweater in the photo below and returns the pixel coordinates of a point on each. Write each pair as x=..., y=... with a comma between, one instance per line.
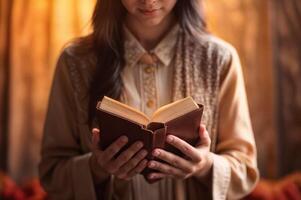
x=207, y=69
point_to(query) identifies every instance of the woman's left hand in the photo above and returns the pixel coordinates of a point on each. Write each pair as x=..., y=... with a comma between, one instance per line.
x=198, y=164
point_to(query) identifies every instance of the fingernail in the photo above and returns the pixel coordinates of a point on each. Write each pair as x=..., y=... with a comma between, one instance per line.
x=151, y=164
x=144, y=153
x=144, y=162
x=156, y=153
x=124, y=139
x=95, y=130
x=153, y=176
x=169, y=138
x=139, y=145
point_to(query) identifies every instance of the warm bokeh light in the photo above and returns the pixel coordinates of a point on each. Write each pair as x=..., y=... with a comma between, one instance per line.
x=38, y=32
x=33, y=33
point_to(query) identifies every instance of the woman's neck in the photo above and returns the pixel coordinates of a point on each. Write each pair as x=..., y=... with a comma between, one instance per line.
x=150, y=36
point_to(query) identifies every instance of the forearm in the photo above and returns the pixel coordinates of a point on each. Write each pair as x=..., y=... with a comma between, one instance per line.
x=229, y=177
x=68, y=178
x=244, y=176
x=232, y=178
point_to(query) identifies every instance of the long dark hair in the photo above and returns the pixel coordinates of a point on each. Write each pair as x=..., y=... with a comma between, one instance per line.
x=107, y=22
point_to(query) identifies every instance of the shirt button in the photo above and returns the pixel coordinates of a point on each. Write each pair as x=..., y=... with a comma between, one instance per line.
x=150, y=103
x=149, y=69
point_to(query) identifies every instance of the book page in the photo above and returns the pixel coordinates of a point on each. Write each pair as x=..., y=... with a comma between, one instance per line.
x=123, y=110
x=174, y=110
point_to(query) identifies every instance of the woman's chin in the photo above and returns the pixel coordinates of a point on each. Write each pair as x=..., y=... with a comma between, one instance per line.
x=151, y=22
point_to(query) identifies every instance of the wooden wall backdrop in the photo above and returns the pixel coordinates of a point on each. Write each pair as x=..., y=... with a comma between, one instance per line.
x=287, y=60
x=246, y=25
x=4, y=79
x=38, y=30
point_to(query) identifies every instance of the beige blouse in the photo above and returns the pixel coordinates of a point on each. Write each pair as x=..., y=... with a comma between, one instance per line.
x=148, y=86
x=64, y=168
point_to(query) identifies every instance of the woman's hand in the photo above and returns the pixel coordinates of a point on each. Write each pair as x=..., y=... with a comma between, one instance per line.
x=129, y=163
x=198, y=164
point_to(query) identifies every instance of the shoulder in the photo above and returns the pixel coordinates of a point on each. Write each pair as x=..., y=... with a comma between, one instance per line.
x=216, y=48
x=77, y=63
x=225, y=54
x=79, y=52
x=78, y=55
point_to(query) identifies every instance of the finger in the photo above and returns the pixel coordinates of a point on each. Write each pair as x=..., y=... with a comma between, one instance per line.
x=129, y=166
x=202, y=127
x=126, y=155
x=95, y=130
x=114, y=148
x=204, y=137
x=138, y=169
x=95, y=140
x=157, y=175
x=173, y=160
x=184, y=147
x=166, y=169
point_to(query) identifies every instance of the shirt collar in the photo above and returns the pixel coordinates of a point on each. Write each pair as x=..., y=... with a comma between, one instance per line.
x=164, y=50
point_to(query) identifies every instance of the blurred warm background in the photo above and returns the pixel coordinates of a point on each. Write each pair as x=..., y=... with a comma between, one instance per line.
x=266, y=33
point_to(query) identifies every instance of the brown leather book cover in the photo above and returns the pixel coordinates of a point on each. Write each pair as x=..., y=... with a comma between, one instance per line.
x=153, y=135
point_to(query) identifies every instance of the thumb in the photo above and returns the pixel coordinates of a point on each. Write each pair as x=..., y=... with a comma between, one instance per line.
x=95, y=138
x=95, y=130
x=204, y=136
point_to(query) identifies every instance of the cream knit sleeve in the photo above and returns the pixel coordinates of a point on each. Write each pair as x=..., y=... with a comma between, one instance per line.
x=235, y=167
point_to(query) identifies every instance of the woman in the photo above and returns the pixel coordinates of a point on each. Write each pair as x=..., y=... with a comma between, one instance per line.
x=148, y=53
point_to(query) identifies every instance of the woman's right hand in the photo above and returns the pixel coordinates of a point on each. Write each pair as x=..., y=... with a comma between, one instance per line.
x=129, y=163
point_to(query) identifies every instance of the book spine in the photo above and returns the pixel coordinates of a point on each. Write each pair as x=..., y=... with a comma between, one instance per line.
x=158, y=141
x=159, y=138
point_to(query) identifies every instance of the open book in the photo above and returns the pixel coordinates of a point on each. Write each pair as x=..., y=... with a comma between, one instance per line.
x=162, y=114
x=181, y=118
